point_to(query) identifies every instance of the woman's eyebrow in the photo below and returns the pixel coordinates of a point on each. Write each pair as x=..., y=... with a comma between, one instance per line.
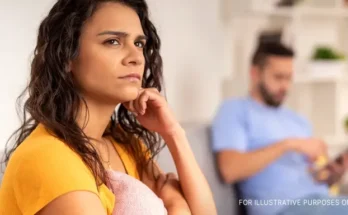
x=121, y=34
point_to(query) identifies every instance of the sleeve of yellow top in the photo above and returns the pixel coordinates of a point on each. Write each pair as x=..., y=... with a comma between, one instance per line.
x=48, y=173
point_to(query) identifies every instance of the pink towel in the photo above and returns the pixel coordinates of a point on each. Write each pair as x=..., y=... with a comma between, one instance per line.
x=133, y=197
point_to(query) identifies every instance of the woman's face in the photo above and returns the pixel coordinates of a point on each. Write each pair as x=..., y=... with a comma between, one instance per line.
x=110, y=64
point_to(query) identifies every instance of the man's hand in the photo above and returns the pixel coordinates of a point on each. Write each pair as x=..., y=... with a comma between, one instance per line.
x=312, y=148
x=333, y=171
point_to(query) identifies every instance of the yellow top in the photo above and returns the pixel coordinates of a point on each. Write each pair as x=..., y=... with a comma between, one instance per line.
x=43, y=168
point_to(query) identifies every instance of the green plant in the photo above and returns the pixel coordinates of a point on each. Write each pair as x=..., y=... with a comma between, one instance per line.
x=326, y=53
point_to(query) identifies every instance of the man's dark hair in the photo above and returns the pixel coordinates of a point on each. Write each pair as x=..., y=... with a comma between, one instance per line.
x=265, y=50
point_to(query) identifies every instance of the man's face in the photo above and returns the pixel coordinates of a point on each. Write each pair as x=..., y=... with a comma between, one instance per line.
x=275, y=79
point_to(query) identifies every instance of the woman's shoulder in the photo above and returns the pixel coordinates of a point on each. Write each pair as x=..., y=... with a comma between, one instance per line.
x=43, y=168
x=43, y=156
x=45, y=150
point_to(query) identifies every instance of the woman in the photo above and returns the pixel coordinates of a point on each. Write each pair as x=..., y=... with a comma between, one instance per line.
x=92, y=57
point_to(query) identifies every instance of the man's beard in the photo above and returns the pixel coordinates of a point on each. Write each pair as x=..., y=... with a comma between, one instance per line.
x=267, y=97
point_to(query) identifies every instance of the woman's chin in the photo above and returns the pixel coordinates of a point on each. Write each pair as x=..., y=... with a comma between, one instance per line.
x=128, y=95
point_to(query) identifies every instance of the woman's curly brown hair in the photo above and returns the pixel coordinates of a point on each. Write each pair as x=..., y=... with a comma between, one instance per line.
x=53, y=97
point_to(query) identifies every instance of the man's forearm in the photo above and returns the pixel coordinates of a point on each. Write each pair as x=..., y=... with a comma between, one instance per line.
x=193, y=183
x=238, y=166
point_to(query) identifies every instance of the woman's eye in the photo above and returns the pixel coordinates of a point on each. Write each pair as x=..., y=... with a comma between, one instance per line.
x=112, y=42
x=139, y=44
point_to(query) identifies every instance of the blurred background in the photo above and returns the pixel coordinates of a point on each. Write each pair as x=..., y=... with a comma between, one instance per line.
x=206, y=49
x=317, y=31
x=194, y=45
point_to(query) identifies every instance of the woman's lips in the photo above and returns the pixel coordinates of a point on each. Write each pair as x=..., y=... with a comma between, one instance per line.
x=133, y=77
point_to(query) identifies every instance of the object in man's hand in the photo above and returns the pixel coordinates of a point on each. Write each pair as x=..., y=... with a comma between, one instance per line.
x=322, y=175
x=333, y=171
x=317, y=170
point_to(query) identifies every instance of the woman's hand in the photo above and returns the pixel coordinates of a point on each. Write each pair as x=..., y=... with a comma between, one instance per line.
x=167, y=187
x=152, y=112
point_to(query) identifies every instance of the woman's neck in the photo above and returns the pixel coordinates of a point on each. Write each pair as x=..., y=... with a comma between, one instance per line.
x=94, y=120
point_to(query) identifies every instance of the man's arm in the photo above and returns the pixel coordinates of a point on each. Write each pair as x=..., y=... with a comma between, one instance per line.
x=231, y=138
x=235, y=166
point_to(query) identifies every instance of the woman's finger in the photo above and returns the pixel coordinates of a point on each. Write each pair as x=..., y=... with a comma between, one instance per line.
x=137, y=106
x=130, y=107
x=154, y=90
x=150, y=94
x=142, y=101
x=153, y=96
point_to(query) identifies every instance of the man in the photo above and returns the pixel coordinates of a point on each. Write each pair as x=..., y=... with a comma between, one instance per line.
x=267, y=148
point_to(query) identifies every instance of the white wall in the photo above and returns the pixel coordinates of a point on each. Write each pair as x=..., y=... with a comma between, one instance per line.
x=195, y=55
x=19, y=21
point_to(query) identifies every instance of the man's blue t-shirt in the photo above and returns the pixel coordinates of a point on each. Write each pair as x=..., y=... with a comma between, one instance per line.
x=246, y=125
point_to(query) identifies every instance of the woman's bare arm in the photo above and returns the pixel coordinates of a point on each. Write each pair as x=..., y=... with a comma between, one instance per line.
x=74, y=203
x=194, y=185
